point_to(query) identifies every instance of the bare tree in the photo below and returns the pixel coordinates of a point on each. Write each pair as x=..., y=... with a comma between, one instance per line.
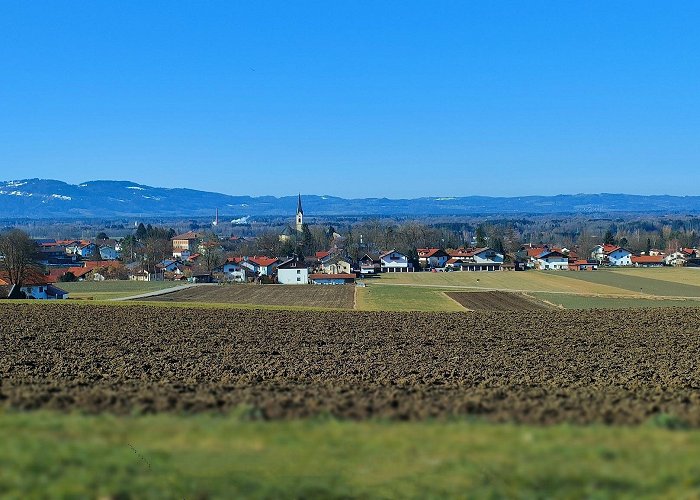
x=212, y=253
x=18, y=255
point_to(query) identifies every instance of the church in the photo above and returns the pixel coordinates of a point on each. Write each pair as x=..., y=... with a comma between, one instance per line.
x=289, y=232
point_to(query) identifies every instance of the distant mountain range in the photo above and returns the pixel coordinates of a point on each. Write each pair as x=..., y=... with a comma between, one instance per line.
x=43, y=198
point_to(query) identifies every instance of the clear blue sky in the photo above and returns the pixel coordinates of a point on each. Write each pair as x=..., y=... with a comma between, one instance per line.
x=396, y=99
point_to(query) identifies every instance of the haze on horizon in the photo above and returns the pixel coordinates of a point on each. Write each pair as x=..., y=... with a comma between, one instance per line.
x=394, y=99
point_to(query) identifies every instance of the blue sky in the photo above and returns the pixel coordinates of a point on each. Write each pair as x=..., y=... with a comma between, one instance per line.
x=355, y=99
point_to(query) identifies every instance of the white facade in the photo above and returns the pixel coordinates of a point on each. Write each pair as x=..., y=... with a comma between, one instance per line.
x=488, y=256
x=620, y=257
x=394, y=262
x=553, y=262
x=340, y=266
x=293, y=276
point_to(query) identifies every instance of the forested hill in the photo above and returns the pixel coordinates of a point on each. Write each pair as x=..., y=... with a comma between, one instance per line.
x=42, y=198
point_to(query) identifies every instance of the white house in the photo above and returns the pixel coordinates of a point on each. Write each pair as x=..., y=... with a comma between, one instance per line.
x=475, y=259
x=552, y=260
x=234, y=271
x=619, y=257
x=432, y=257
x=676, y=259
x=293, y=272
x=261, y=266
x=487, y=256
x=394, y=262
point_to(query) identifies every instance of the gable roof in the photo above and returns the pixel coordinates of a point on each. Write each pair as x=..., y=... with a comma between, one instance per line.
x=293, y=263
x=189, y=235
x=430, y=252
x=384, y=254
x=32, y=278
x=262, y=261
x=648, y=259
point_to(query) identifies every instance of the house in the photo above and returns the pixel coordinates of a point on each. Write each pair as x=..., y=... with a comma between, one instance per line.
x=582, y=265
x=108, y=253
x=332, y=279
x=34, y=286
x=678, y=259
x=147, y=276
x=619, y=257
x=293, y=271
x=394, y=262
x=83, y=249
x=370, y=264
x=186, y=244
x=471, y=259
x=431, y=258
x=234, y=271
x=261, y=266
x=647, y=261
x=552, y=260
x=336, y=264
x=612, y=255
x=475, y=259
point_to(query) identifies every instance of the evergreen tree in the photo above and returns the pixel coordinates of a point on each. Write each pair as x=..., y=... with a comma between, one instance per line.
x=480, y=236
x=141, y=232
x=609, y=238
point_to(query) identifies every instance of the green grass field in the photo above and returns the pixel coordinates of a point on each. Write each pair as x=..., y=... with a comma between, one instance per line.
x=166, y=456
x=645, y=283
x=378, y=297
x=105, y=290
x=530, y=281
x=603, y=289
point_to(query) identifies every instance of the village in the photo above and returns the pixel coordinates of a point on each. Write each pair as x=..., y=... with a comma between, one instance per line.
x=196, y=257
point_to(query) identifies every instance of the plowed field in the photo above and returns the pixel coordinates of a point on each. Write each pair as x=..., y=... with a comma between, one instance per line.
x=329, y=297
x=497, y=301
x=543, y=367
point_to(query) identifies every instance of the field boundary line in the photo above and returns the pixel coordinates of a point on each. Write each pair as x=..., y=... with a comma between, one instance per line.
x=155, y=293
x=518, y=290
x=456, y=302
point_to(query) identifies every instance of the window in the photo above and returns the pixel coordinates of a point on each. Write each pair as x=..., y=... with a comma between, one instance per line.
x=298, y=271
x=298, y=278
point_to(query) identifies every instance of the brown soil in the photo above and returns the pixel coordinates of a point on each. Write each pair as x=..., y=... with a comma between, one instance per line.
x=543, y=367
x=325, y=296
x=497, y=301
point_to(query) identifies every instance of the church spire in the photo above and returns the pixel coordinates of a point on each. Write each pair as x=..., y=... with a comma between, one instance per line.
x=300, y=215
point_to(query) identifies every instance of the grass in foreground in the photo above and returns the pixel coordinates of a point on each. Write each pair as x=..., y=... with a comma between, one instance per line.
x=56, y=455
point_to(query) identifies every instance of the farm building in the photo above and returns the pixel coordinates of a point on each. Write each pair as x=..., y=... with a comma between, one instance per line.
x=582, y=265
x=332, y=279
x=293, y=271
x=648, y=261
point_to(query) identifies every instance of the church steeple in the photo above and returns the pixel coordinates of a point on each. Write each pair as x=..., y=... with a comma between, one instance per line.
x=300, y=215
